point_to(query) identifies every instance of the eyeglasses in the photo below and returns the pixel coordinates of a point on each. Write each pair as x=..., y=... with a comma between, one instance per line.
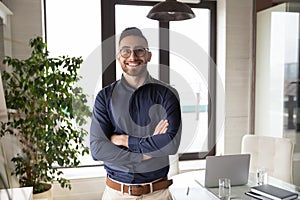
x=126, y=52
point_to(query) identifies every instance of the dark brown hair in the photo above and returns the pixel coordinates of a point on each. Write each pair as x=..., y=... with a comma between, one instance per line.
x=132, y=31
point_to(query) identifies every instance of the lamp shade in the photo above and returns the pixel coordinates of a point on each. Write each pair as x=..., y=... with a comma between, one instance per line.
x=171, y=10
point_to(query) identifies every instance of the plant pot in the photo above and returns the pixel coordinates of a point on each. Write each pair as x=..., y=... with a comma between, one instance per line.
x=46, y=195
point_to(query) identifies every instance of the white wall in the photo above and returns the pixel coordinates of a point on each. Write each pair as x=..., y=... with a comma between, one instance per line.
x=26, y=23
x=235, y=60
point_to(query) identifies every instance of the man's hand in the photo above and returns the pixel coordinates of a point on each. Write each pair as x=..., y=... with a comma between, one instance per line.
x=161, y=127
x=146, y=157
x=120, y=140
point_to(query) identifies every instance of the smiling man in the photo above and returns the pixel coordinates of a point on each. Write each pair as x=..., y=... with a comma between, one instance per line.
x=136, y=125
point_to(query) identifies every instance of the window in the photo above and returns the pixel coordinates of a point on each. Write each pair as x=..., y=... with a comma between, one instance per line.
x=73, y=29
x=81, y=28
x=187, y=75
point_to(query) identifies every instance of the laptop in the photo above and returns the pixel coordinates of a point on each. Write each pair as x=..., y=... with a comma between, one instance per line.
x=235, y=167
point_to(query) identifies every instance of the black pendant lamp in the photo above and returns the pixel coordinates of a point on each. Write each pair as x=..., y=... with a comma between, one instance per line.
x=171, y=10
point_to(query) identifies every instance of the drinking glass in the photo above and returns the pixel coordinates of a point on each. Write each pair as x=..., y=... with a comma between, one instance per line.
x=224, y=188
x=261, y=176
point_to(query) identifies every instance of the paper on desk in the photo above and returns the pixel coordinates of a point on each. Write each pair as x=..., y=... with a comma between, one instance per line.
x=192, y=193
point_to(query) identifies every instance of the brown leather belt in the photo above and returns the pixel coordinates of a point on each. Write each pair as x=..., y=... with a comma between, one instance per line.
x=137, y=190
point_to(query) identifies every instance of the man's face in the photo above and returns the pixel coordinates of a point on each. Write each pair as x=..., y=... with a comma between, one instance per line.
x=133, y=55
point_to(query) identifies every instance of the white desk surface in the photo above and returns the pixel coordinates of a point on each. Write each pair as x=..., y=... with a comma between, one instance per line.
x=24, y=193
x=190, y=185
x=186, y=186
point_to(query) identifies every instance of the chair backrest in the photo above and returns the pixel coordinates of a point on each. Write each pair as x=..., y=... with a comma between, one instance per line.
x=174, y=165
x=274, y=154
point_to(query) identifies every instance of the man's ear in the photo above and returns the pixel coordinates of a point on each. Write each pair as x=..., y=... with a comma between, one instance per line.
x=149, y=56
x=118, y=57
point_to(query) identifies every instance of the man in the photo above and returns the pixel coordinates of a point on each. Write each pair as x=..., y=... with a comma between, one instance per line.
x=136, y=125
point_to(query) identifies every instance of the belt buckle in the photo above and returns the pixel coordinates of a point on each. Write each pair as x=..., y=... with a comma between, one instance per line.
x=130, y=190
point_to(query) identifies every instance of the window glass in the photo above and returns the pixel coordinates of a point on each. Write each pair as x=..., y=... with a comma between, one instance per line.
x=73, y=29
x=189, y=67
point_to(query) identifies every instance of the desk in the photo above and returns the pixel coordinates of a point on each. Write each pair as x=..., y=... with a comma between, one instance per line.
x=190, y=185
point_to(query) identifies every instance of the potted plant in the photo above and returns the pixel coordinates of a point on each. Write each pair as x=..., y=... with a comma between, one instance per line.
x=47, y=112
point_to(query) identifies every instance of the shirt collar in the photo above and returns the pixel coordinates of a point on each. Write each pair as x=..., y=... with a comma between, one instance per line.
x=149, y=79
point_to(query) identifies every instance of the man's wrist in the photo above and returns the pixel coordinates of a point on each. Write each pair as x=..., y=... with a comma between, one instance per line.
x=120, y=140
x=125, y=140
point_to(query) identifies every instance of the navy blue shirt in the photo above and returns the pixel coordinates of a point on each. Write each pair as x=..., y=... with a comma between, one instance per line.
x=121, y=109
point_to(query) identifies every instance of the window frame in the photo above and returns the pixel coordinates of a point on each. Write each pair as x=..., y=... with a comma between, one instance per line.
x=108, y=22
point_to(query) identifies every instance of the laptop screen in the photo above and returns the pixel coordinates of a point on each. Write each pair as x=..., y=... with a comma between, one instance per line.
x=235, y=167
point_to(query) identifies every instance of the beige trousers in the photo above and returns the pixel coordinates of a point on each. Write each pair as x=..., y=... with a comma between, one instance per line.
x=111, y=194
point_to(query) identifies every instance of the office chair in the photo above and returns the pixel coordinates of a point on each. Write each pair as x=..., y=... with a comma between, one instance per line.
x=174, y=165
x=272, y=153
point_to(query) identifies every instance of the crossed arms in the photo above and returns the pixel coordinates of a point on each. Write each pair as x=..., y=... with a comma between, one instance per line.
x=122, y=140
x=107, y=144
